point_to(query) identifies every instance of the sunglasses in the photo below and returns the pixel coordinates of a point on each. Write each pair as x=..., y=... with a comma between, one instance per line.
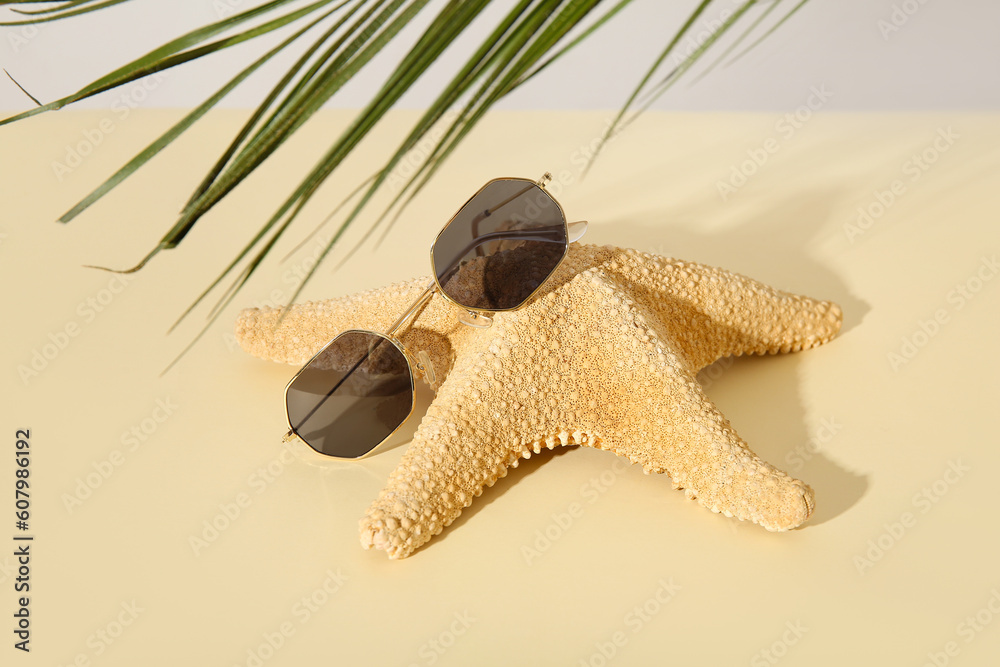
x=492, y=256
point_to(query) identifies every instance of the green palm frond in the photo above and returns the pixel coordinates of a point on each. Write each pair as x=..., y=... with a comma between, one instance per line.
x=60, y=10
x=335, y=40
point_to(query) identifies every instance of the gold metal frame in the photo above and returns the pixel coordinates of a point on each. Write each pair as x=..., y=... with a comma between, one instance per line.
x=413, y=311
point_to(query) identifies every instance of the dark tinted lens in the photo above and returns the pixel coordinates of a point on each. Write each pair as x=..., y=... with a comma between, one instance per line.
x=351, y=396
x=501, y=246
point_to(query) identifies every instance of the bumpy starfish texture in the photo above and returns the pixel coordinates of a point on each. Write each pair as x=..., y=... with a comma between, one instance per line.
x=605, y=356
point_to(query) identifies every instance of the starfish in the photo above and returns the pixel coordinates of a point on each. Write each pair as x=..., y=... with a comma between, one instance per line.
x=605, y=356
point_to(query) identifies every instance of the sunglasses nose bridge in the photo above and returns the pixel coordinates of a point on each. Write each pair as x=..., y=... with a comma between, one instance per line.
x=421, y=362
x=426, y=366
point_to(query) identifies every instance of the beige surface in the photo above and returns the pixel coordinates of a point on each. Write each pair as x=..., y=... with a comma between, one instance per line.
x=867, y=431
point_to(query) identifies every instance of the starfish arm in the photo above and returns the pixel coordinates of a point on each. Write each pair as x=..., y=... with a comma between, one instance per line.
x=681, y=433
x=769, y=321
x=726, y=313
x=307, y=327
x=486, y=417
x=457, y=450
x=643, y=401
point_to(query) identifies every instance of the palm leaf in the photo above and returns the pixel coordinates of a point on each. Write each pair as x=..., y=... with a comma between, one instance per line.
x=689, y=62
x=739, y=40
x=156, y=60
x=494, y=87
x=56, y=13
x=528, y=39
x=613, y=127
x=268, y=102
x=135, y=163
x=30, y=96
x=767, y=34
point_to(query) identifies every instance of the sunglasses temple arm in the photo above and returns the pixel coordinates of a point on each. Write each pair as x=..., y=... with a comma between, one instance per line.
x=413, y=309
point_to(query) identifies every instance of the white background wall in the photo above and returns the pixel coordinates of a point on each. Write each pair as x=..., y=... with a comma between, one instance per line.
x=944, y=55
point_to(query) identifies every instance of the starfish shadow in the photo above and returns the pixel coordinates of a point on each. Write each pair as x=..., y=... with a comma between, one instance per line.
x=772, y=247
